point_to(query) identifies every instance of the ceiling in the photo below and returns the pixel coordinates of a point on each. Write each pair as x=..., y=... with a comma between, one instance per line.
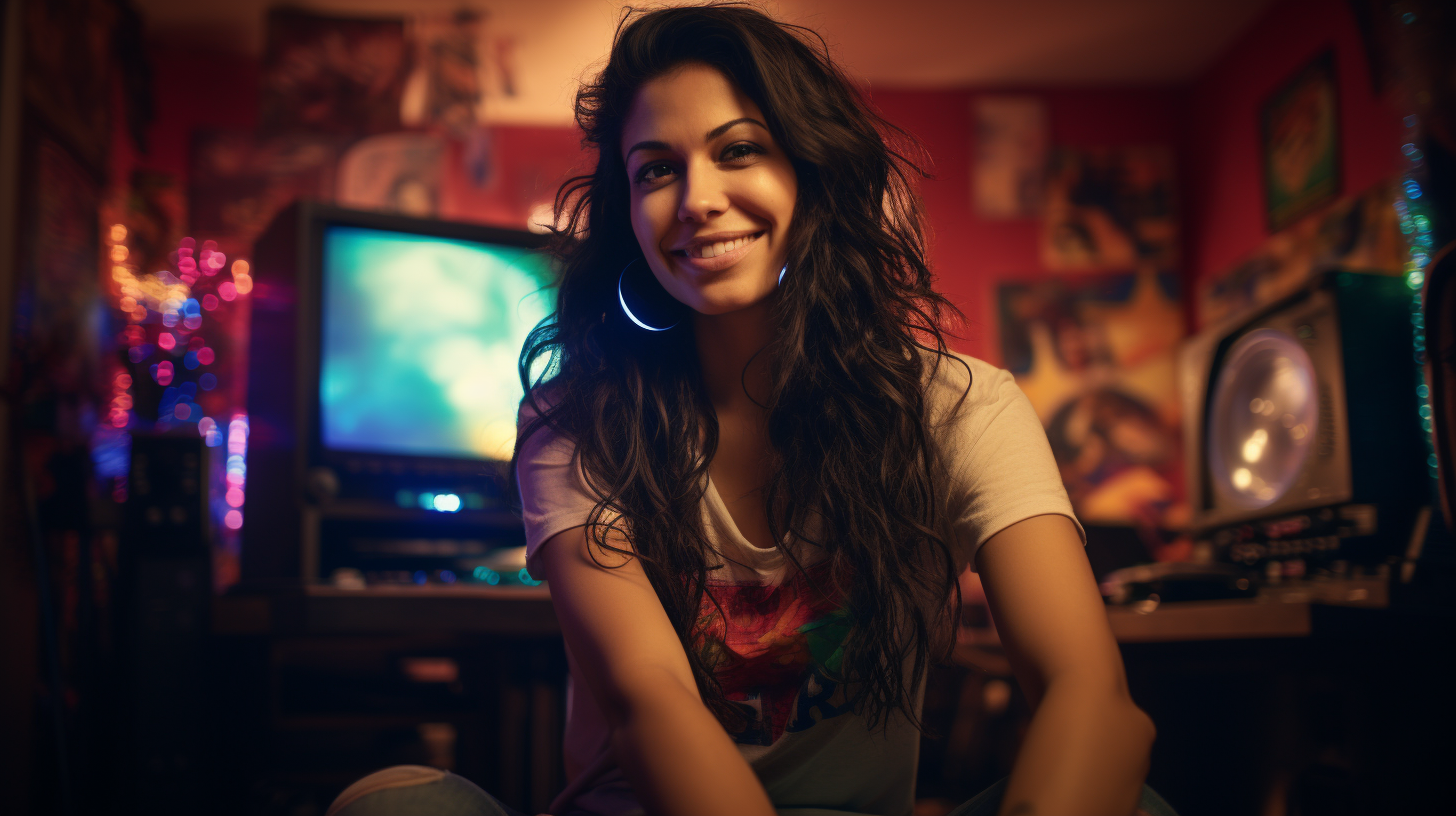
x=888, y=43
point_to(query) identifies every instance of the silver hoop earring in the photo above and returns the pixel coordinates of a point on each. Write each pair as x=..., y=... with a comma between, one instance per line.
x=642, y=306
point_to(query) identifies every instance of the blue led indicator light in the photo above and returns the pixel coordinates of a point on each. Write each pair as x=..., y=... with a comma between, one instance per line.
x=446, y=503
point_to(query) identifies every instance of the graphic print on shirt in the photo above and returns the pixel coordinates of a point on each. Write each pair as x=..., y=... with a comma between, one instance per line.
x=774, y=650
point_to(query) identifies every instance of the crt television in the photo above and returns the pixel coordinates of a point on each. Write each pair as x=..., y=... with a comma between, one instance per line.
x=382, y=395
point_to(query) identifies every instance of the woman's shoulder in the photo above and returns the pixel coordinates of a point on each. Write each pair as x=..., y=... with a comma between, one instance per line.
x=540, y=401
x=539, y=430
x=959, y=383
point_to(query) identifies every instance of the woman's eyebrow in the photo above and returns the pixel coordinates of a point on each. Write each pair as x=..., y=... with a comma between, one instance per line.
x=723, y=128
x=710, y=136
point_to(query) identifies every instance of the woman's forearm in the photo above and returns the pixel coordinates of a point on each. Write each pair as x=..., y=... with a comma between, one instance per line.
x=1086, y=752
x=681, y=762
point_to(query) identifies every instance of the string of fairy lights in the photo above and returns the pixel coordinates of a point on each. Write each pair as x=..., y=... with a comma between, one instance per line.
x=163, y=340
x=1415, y=224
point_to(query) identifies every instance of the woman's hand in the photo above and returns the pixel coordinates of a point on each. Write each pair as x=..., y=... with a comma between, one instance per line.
x=1086, y=751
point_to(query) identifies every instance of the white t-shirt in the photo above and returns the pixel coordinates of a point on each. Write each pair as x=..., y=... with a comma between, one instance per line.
x=813, y=755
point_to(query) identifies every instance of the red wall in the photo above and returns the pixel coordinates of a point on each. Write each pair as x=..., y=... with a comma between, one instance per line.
x=1212, y=124
x=204, y=90
x=971, y=255
x=192, y=90
x=1220, y=148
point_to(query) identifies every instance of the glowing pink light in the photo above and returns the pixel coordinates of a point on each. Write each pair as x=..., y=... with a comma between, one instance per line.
x=192, y=321
x=233, y=519
x=206, y=425
x=187, y=244
x=182, y=411
x=118, y=420
x=186, y=266
x=209, y=245
x=235, y=497
x=167, y=340
x=209, y=302
x=205, y=355
x=123, y=380
x=226, y=290
x=163, y=373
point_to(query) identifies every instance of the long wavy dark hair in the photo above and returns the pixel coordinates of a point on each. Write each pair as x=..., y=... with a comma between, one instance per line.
x=859, y=334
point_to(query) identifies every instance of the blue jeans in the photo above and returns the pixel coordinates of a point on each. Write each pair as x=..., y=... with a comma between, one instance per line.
x=413, y=790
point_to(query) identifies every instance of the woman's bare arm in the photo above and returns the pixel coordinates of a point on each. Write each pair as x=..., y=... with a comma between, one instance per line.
x=671, y=748
x=1086, y=751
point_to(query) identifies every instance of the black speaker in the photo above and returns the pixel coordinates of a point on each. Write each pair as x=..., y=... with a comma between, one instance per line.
x=1302, y=426
x=1439, y=313
x=166, y=583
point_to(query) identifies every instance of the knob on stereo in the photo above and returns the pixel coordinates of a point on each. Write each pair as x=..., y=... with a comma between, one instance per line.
x=322, y=485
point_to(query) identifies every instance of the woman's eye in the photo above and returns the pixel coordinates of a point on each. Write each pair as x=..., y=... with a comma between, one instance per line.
x=653, y=172
x=741, y=151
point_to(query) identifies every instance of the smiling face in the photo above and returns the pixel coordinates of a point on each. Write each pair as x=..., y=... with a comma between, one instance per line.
x=712, y=193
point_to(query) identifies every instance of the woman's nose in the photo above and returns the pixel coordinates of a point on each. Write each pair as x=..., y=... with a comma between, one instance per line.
x=703, y=195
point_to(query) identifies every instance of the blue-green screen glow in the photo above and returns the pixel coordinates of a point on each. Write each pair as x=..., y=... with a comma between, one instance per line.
x=421, y=337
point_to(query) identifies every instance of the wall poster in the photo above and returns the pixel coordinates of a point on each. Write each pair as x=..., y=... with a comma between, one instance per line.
x=1095, y=355
x=1009, y=179
x=332, y=75
x=1110, y=209
x=1360, y=232
x=1301, y=142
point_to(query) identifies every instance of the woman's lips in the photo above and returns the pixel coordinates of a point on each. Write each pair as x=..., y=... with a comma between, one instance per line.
x=719, y=262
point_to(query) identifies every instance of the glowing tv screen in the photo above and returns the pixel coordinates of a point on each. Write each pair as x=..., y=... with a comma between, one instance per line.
x=420, y=340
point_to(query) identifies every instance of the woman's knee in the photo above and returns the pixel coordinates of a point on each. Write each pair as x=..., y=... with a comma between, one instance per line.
x=410, y=789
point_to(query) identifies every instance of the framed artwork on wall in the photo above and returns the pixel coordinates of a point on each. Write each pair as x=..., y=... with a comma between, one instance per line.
x=1110, y=209
x=1300, y=125
x=1011, y=151
x=1096, y=355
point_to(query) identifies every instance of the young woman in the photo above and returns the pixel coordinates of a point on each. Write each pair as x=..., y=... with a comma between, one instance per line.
x=750, y=470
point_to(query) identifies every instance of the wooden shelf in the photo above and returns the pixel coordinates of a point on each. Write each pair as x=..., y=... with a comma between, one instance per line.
x=511, y=611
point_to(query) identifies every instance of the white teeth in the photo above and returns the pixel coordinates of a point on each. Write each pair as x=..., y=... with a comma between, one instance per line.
x=715, y=249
